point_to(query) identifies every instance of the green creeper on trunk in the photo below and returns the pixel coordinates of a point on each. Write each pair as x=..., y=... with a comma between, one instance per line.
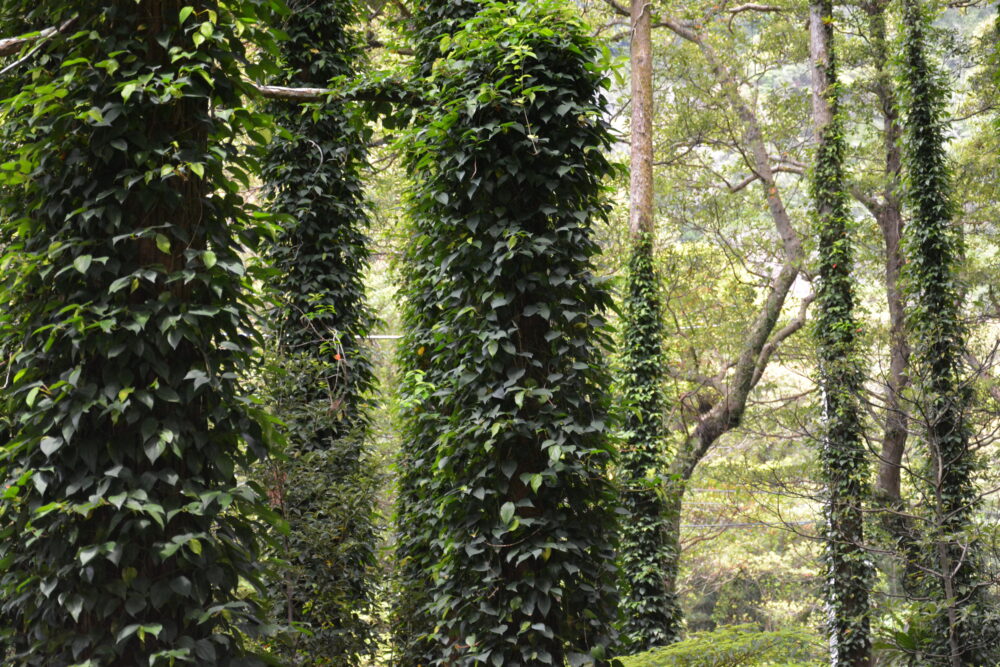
x=126, y=533
x=938, y=336
x=843, y=454
x=416, y=551
x=652, y=614
x=507, y=434
x=321, y=373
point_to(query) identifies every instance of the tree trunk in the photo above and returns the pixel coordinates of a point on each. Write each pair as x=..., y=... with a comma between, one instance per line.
x=889, y=216
x=843, y=454
x=652, y=615
x=939, y=337
x=641, y=218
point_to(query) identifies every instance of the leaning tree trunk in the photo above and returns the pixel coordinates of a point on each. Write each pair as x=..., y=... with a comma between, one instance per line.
x=843, y=453
x=761, y=339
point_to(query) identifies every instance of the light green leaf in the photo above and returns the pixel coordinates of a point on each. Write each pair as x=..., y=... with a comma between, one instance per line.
x=163, y=243
x=82, y=263
x=507, y=512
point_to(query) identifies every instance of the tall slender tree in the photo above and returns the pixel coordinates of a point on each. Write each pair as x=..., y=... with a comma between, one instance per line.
x=126, y=533
x=505, y=334
x=843, y=454
x=321, y=321
x=652, y=612
x=934, y=245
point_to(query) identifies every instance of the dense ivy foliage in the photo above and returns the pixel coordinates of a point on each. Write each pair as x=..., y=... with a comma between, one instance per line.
x=938, y=339
x=126, y=534
x=413, y=626
x=652, y=613
x=844, y=453
x=505, y=442
x=322, y=371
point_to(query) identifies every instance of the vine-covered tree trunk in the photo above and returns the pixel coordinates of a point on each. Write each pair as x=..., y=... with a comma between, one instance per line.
x=322, y=369
x=934, y=248
x=652, y=615
x=126, y=535
x=843, y=454
x=506, y=341
x=416, y=550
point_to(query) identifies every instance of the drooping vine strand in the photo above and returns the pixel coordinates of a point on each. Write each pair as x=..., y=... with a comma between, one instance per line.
x=843, y=453
x=507, y=433
x=127, y=536
x=321, y=371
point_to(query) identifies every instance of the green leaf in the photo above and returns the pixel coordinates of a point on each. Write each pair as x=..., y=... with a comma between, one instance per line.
x=163, y=244
x=209, y=259
x=50, y=445
x=507, y=512
x=82, y=263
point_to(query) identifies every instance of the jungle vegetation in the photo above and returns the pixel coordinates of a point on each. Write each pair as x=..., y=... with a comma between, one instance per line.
x=499, y=332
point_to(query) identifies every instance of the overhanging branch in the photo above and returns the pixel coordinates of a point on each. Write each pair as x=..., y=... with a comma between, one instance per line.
x=11, y=45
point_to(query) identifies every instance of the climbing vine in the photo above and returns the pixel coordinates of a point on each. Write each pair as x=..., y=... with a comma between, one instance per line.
x=934, y=250
x=126, y=534
x=322, y=372
x=434, y=22
x=843, y=454
x=652, y=613
x=506, y=440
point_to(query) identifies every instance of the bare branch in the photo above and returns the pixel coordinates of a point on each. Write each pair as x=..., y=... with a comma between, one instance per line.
x=11, y=45
x=754, y=7
x=394, y=93
x=618, y=8
x=297, y=94
x=784, y=333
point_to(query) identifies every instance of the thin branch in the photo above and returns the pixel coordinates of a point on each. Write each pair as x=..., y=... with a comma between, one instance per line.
x=754, y=7
x=784, y=333
x=398, y=94
x=297, y=94
x=11, y=45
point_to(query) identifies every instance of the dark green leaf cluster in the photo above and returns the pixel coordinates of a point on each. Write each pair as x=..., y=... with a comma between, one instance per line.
x=652, y=614
x=126, y=534
x=326, y=590
x=313, y=180
x=505, y=508
x=843, y=454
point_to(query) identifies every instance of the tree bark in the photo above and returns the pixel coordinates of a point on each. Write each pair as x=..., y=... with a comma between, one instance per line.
x=889, y=215
x=641, y=221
